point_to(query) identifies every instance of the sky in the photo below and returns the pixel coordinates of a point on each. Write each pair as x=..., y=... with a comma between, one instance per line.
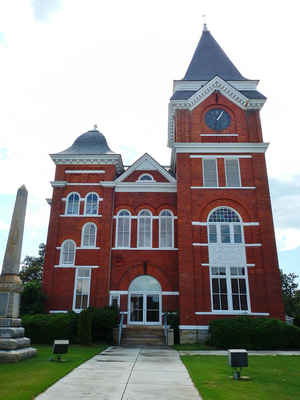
x=66, y=65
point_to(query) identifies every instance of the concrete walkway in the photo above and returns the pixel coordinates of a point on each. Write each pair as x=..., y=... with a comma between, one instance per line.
x=127, y=374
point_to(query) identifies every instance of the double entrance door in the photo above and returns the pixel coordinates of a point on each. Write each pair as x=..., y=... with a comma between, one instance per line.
x=144, y=308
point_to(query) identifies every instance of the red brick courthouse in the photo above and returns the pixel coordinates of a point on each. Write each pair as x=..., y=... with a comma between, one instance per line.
x=196, y=236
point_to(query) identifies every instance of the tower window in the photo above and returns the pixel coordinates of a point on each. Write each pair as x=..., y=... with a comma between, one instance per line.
x=67, y=252
x=224, y=226
x=232, y=172
x=123, y=228
x=72, y=204
x=88, y=237
x=91, y=204
x=210, y=172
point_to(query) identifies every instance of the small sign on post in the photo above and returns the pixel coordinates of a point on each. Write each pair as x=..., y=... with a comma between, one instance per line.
x=237, y=358
x=59, y=347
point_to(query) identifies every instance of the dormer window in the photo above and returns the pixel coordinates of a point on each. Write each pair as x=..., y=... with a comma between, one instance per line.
x=146, y=178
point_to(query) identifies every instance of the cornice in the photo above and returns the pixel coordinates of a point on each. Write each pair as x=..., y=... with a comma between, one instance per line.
x=203, y=93
x=196, y=85
x=58, y=184
x=142, y=187
x=220, y=148
x=81, y=159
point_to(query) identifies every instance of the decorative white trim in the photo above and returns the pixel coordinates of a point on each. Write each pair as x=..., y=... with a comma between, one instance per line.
x=200, y=244
x=198, y=223
x=58, y=184
x=218, y=148
x=230, y=313
x=145, y=248
x=85, y=159
x=203, y=93
x=83, y=184
x=223, y=187
x=81, y=215
x=88, y=248
x=228, y=244
x=207, y=265
x=218, y=134
x=136, y=187
x=84, y=171
x=76, y=266
x=116, y=292
x=136, y=217
x=179, y=85
x=224, y=156
x=170, y=293
x=58, y=311
x=253, y=244
x=251, y=223
x=192, y=327
x=155, y=167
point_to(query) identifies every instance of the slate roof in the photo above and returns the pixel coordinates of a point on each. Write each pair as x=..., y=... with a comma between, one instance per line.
x=91, y=142
x=210, y=60
x=186, y=94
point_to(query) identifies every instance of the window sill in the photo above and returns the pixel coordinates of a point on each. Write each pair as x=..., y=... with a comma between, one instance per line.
x=81, y=215
x=146, y=248
x=228, y=312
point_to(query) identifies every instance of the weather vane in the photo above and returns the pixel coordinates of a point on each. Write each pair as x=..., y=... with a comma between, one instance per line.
x=95, y=127
x=204, y=22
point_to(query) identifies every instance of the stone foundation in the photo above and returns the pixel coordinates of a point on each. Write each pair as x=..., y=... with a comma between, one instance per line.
x=193, y=335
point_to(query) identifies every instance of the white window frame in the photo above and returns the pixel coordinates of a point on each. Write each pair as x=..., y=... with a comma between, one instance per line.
x=231, y=228
x=239, y=171
x=151, y=228
x=172, y=229
x=228, y=278
x=117, y=229
x=61, y=258
x=117, y=296
x=78, y=310
x=147, y=180
x=85, y=203
x=203, y=174
x=67, y=203
x=82, y=235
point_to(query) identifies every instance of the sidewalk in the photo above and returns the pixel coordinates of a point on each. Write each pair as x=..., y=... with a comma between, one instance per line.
x=127, y=374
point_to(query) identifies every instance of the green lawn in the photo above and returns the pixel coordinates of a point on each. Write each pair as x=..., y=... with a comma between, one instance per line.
x=26, y=379
x=194, y=346
x=271, y=378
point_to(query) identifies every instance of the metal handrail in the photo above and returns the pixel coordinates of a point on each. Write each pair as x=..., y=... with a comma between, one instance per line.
x=165, y=326
x=121, y=327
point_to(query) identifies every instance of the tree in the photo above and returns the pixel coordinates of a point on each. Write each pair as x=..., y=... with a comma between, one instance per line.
x=32, y=267
x=290, y=296
x=32, y=298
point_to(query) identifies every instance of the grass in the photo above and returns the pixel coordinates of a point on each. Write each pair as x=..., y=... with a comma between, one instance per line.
x=25, y=379
x=271, y=377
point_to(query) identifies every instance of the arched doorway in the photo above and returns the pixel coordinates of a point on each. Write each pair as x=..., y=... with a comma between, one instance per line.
x=144, y=301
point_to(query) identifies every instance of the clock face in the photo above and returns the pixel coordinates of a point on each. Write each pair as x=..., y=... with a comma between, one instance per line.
x=217, y=119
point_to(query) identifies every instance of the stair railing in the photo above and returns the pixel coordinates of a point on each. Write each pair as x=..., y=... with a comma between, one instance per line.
x=165, y=326
x=121, y=327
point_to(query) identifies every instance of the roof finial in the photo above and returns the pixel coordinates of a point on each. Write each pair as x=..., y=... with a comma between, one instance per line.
x=204, y=22
x=95, y=127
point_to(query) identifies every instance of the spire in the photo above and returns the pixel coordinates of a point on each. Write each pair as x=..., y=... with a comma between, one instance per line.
x=210, y=60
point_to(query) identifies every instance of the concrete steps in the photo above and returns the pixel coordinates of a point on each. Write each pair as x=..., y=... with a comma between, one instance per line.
x=143, y=335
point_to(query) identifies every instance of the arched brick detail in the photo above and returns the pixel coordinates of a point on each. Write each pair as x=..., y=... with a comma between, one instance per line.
x=241, y=209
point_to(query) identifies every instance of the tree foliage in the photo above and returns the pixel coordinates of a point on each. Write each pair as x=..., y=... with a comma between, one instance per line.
x=291, y=298
x=32, y=267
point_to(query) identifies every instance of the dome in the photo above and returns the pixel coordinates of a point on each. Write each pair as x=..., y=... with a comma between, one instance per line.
x=91, y=142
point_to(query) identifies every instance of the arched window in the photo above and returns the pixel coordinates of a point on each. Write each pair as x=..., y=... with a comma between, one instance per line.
x=123, y=228
x=224, y=226
x=166, y=229
x=88, y=236
x=72, y=204
x=146, y=178
x=145, y=229
x=144, y=283
x=91, y=204
x=67, y=252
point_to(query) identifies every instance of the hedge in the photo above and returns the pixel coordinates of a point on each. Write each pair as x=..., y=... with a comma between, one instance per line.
x=103, y=322
x=253, y=334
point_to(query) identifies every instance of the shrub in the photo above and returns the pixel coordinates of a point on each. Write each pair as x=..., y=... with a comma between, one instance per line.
x=103, y=322
x=45, y=328
x=253, y=333
x=32, y=299
x=85, y=327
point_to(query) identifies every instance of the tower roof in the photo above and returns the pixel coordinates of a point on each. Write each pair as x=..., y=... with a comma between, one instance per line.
x=90, y=142
x=210, y=60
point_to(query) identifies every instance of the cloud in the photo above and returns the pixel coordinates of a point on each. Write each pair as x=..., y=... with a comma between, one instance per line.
x=3, y=226
x=42, y=9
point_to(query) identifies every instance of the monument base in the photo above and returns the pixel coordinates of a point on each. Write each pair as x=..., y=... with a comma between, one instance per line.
x=14, y=346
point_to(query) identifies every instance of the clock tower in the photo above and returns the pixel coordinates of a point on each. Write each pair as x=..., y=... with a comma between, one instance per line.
x=227, y=258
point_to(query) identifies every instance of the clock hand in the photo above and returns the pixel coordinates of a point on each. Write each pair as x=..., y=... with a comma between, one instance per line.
x=220, y=115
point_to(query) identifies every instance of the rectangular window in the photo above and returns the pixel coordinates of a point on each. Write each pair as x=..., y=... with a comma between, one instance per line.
x=123, y=232
x=232, y=172
x=212, y=233
x=225, y=233
x=229, y=289
x=166, y=232
x=144, y=232
x=237, y=233
x=82, y=288
x=210, y=172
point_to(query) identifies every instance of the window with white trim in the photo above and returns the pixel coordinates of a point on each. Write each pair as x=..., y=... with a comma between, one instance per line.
x=67, y=252
x=88, y=236
x=224, y=226
x=114, y=300
x=82, y=289
x=123, y=229
x=144, y=229
x=210, y=172
x=166, y=229
x=146, y=178
x=72, y=204
x=232, y=172
x=229, y=288
x=91, y=204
